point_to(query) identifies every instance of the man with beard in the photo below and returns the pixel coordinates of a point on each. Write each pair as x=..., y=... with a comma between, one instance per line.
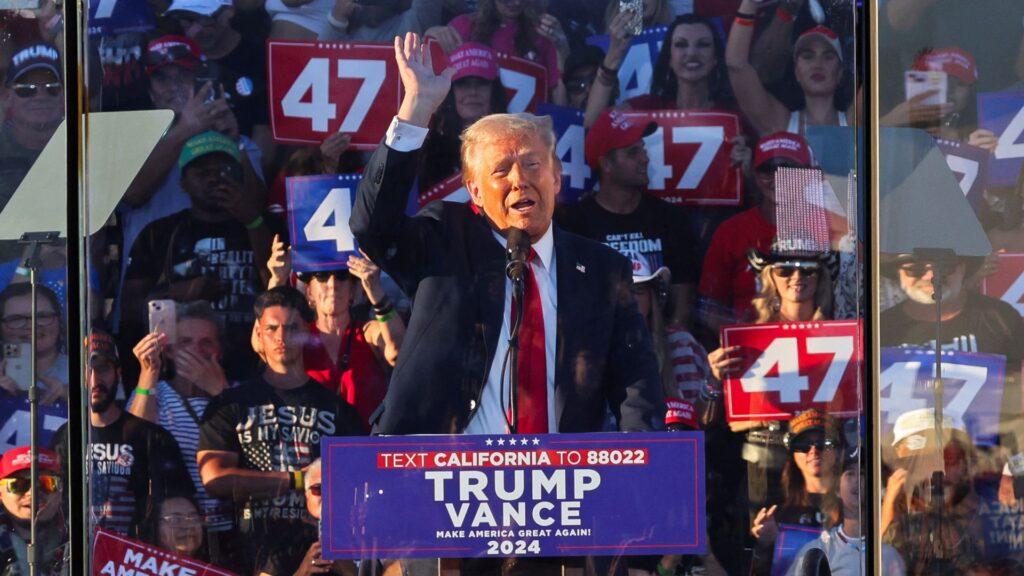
x=238, y=61
x=206, y=252
x=130, y=460
x=623, y=215
x=15, y=518
x=971, y=322
x=33, y=96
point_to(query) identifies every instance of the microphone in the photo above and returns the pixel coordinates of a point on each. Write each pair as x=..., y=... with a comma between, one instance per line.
x=517, y=250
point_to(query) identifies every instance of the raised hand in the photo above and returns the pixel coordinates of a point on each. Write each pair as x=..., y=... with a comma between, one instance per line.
x=280, y=263
x=424, y=90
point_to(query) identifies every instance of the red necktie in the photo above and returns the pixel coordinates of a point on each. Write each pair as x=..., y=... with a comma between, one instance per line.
x=532, y=366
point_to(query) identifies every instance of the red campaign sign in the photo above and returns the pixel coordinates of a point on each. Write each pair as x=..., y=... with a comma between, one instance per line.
x=1007, y=282
x=690, y=156
x=525, y=82
x=451, y=189
x=318, y=88
x=793, y=366
x=115, y=555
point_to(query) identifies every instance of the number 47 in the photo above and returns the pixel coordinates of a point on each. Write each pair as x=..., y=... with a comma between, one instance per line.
x=314, y=79
x=783, y=353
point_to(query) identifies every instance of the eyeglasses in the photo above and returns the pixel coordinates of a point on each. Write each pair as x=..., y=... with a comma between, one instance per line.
x=182, y=519
x=804, y=446
x=30, y=90
x=18, y=486
x=787, y=270
x=314, y=489
x=21, y=320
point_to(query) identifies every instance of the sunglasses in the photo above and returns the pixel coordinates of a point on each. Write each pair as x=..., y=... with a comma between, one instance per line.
x=30, y=90
x=787, y=270
x=314, y=489
x=181, y=519
x=325, y=275
x=22, y=320
x=804, y=446
x=18, y=486
x=919, y=269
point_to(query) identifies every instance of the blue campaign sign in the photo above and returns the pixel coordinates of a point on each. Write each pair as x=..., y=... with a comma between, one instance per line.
x=318, y=211
x=109, y=17
x=637, y=66
x=15, y=428
x=536, y=495
x=973, y=387
x=1003, y=114
x=792, y=537
x=577, y=176
x=970, y=166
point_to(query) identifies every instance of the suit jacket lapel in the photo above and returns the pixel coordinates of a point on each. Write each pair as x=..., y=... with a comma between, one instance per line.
x=489, y=259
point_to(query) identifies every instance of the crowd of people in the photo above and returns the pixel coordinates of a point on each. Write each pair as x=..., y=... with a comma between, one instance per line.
x=204, y=438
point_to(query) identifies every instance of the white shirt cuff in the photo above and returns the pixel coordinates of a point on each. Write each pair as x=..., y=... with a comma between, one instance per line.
x=404, y=137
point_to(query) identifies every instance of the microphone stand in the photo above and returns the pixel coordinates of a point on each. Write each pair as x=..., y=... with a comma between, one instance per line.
x=513, y=353
x=937, y=257
x=35, y=242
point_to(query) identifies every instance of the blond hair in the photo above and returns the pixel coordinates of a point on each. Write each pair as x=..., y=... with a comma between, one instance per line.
x=766, y=303
x=503, y=127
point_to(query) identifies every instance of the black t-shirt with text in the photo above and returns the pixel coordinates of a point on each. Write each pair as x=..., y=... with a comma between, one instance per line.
x=656, y=229
x=180, y=247
x=275, y=430
x=129, y=460
x=984, y=325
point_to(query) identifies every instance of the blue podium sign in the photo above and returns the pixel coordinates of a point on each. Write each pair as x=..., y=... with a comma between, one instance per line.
x=792, y=537
x=531, y=495
x=318, y=211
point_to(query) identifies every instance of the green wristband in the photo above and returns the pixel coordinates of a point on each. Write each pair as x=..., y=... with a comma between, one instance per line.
x=255, y=223
x=142, y=391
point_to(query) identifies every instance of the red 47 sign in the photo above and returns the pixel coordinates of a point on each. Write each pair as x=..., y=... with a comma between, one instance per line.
x=1007, y=282
x=525, y=82
x=793, y=366
x=690, y=156
x=318, y=88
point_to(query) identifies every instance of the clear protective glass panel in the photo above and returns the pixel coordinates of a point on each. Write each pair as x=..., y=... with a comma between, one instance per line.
x=34, y=332
x=334, y=329
x=950, y=325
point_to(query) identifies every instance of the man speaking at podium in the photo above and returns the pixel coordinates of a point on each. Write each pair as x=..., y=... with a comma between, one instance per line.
x=583, y=348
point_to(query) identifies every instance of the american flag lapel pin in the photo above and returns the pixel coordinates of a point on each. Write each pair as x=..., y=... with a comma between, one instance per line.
x=581, y=268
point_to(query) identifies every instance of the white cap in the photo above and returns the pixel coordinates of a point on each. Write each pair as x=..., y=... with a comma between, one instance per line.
x=642, y=269
x=204, y=7
x=923, y=420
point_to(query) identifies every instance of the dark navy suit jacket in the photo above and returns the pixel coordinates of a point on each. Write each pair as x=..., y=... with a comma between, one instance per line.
x=447, y=259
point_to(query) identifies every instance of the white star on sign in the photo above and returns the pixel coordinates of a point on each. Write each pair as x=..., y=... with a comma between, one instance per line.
x=488, y=441
x=536, y=441
x=501, y=441
x=511, y=441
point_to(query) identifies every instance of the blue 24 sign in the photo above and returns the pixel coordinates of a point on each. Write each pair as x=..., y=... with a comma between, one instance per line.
x=318, y=211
